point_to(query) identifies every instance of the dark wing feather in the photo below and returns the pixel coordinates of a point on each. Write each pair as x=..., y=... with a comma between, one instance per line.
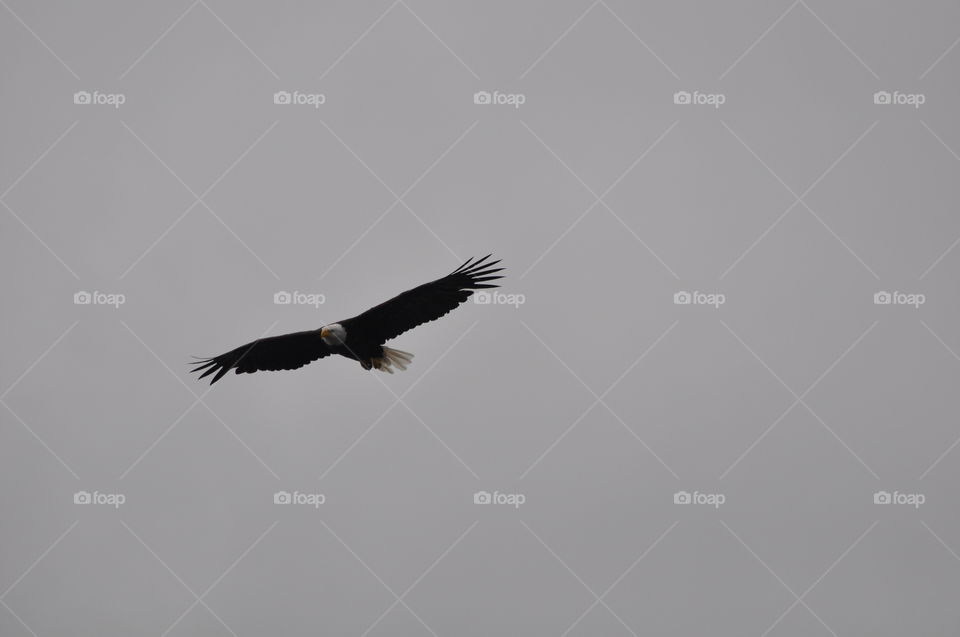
x=423, y=303
x=288, y=351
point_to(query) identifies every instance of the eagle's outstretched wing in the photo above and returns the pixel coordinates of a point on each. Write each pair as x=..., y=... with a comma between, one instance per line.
x=423, y=303
x=287, y=351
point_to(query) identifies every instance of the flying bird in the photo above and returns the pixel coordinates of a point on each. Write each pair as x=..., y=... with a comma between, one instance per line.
x=362, y=337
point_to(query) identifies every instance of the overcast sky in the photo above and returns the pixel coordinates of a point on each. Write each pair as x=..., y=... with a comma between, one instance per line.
x=716, y=394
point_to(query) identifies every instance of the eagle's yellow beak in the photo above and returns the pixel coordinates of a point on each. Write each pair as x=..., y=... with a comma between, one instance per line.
x=324, y=333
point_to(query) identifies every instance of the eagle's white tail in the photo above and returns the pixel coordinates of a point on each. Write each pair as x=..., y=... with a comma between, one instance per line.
x=392, y=357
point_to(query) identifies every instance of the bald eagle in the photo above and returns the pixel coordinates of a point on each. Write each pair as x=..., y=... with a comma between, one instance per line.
x=362, y=337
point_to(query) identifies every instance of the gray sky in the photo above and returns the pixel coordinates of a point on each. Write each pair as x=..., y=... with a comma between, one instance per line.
x=715, y=395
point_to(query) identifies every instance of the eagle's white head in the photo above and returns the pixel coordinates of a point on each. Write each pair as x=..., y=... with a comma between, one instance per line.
x=333, y=334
